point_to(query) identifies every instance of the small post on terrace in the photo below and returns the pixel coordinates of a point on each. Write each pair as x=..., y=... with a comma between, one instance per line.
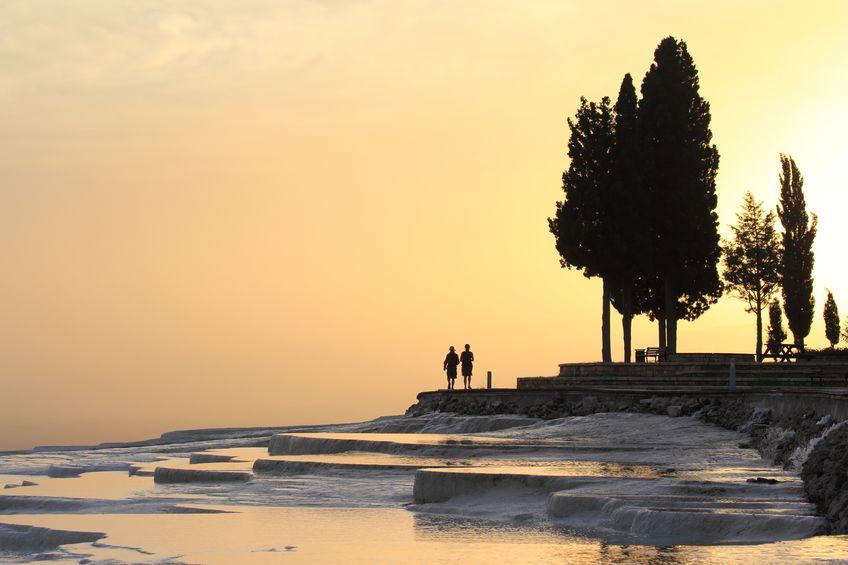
x=732, y=383
x=488, y=379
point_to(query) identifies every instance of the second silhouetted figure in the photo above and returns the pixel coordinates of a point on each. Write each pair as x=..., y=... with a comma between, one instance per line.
x=467, y=360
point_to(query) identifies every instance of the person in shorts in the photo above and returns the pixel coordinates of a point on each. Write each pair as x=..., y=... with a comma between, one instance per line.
x=449, y=366
x=467, y=361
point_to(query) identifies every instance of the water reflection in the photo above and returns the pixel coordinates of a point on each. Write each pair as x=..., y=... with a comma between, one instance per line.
x=349, y=505
x=550, y=544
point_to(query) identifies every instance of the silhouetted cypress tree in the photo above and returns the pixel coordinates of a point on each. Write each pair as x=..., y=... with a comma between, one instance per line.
x=578, y=227
x=797, y=264
x=629, y=244
x=831, y=320
x=680, y=165
x=752, y=261
x=776, y=333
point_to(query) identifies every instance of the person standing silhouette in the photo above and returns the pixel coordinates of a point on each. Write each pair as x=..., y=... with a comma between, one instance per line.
x=467, y=360
x=449, y=366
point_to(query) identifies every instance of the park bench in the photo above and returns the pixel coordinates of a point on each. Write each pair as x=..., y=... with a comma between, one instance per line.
x=655, y=353
x=783, y=352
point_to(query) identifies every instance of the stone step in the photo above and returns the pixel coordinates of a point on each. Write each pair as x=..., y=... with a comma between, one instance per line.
x=181, y=475
x=696, y=381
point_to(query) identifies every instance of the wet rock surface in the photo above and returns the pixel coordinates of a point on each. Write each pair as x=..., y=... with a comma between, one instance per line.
x=825, y=476
x=787, y=441
x=15, y=537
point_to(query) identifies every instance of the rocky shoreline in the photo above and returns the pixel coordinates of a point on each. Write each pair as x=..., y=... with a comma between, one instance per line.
x=812, y=443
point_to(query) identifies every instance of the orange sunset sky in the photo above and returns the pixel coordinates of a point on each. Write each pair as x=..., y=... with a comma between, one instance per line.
x=264, y=213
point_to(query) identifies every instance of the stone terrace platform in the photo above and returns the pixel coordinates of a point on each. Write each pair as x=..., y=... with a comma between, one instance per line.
x=700, y=371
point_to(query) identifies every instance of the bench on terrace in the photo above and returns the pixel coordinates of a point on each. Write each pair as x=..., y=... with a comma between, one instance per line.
x=656, y=354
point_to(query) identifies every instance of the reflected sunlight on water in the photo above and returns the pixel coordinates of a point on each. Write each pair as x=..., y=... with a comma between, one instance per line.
x=423, y=498
x=261, y=535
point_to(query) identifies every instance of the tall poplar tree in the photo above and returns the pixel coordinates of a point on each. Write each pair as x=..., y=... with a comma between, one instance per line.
x=679, y=171
x=752, y=261
x=831, y=320
x=629, y=244
x=797, y=265
x=579, y=226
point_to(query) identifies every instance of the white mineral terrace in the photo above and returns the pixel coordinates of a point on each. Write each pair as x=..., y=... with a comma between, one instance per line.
x=624, y=478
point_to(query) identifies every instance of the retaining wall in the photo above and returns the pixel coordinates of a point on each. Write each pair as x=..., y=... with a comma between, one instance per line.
x=782, y=403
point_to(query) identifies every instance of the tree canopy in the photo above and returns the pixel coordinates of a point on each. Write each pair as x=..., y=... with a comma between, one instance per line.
x=629, y=241
x=639, y=206
x=752, y=260
x=797, y=252
x=679, y=164
x=776, y=333
x=578, y=225
x=580, y=228
x=831, y=320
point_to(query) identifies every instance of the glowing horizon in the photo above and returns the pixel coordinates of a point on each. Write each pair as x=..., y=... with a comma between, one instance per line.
x=264, y=213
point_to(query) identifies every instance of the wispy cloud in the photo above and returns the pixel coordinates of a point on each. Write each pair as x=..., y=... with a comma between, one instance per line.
x=50, y=46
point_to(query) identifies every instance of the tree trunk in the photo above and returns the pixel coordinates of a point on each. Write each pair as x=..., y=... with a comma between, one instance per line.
x=606, y=357
x=671, y=330
x=759, y=333
x=661, y=325
x=670, y=316
x=627, y=320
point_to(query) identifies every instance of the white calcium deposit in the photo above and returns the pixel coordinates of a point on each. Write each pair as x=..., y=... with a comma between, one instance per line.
x=635, y=480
